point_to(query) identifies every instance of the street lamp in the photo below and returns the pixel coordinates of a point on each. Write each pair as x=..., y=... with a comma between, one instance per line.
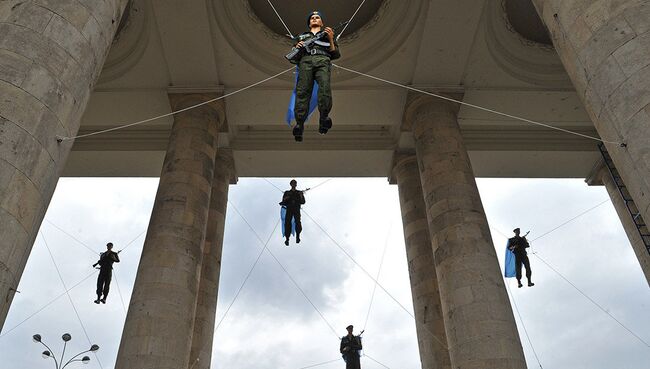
x=47, y=354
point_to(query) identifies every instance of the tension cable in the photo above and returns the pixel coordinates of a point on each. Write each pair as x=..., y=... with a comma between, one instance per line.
x=250, y=271
x=287, y=272
x=523, y=325
x=571, y=220
x=320, y=364
x=281, y=20
x=478, y=106
x=70, y=297
x=350, y=20
x=48, y=304
x=61, y=139
x=536, y=254
x=381, y=264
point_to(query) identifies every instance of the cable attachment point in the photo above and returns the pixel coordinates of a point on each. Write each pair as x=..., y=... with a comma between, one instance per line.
x=623, y=144
x=59, y=139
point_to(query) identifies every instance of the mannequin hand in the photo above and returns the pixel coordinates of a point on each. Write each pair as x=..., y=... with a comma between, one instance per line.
x=330, y=34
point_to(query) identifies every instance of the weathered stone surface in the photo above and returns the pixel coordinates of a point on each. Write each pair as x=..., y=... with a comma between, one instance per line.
x=12, y=256
x=479, y=322
x=609, y=65
x=632, y=56
x=430, y=326
x=50, y=57
x=206, y=301
x=160, y=322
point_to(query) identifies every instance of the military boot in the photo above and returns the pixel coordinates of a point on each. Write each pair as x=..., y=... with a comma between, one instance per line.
x=298, y=130
x=324, y=124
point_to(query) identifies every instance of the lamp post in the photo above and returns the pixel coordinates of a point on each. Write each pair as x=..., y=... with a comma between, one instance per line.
x=47, y=354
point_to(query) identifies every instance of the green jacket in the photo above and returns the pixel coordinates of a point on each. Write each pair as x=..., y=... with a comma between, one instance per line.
x=322, y=45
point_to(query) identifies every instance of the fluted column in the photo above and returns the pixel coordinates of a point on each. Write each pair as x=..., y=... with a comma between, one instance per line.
x=479, y=322
x=429, y=322
x=51, y=53
x=160, y=322
x=605, y=48
x=206, y=302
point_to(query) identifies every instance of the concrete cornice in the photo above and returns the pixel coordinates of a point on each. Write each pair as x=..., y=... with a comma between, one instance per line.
x=344, y=137
x=452, y=89
x=217, y=90
x=499, y=138
x=131, y=139
x=493, y=138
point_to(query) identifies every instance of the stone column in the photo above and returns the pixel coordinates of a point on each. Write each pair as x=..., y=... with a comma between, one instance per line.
x=603, y=177
x=605, y=48
x=159, y=325
x=479, y=322
x=429, y=323
x=206, y=302
x=51, y=53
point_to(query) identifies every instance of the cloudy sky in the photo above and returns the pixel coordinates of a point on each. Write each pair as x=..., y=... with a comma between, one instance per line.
x=271, y=324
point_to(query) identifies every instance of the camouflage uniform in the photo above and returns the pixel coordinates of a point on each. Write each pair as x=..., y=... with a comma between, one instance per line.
x=315, y=66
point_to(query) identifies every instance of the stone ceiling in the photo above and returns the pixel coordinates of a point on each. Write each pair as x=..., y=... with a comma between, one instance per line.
x=470, y=47
x=524, y=19
x=294, y=13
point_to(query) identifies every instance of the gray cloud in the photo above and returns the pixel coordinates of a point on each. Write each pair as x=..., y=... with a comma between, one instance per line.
x=272, y=326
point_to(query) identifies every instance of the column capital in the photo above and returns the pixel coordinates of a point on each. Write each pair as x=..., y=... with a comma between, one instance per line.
x=419, y=103
x=400, y=158
x=595, y=176
x=179, y=101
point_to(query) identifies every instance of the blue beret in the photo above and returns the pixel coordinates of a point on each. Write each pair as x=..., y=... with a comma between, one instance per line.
x=312, y=13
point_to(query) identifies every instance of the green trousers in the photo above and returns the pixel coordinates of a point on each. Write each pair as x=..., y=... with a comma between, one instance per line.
x=313, y=68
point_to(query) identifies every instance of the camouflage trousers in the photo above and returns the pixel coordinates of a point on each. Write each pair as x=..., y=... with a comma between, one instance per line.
x=313, y=68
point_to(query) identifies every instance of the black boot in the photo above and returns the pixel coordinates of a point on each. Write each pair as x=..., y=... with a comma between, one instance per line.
x=297, y=131
x=519, y=284
x=286, y=242
x=98, y=299
x=324, y=124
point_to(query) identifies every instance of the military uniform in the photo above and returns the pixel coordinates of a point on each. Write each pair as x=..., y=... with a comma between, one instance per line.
x=518, y=246
x=292, y=200
x=105, y=262
x=351, y=355
x=315, y=66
